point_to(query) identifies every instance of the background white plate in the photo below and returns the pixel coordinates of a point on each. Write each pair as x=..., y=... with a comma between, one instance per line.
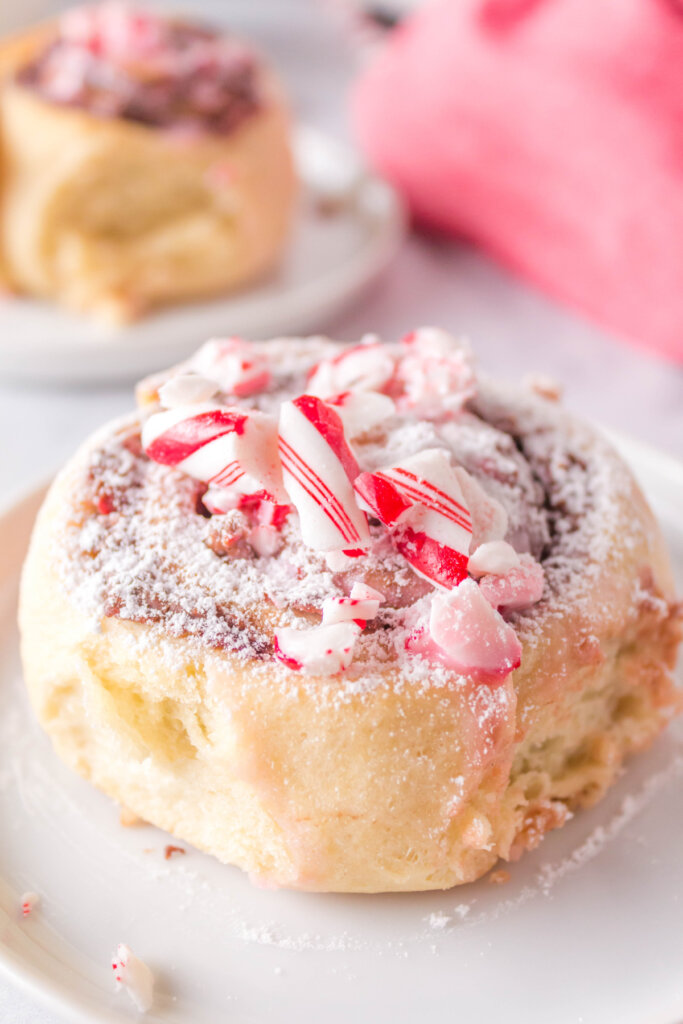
x=330, y=258
x=588, y=930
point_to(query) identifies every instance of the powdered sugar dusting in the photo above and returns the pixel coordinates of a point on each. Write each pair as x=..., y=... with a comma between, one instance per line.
x=142, y=548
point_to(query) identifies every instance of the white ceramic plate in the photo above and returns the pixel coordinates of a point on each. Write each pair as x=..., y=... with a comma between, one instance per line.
x=331, y=257
x=587, y=930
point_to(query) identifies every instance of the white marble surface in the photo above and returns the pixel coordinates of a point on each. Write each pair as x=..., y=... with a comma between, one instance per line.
x=515, y=330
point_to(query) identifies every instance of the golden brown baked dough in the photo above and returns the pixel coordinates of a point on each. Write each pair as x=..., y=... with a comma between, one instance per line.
x=112, y=216
x=148, y=653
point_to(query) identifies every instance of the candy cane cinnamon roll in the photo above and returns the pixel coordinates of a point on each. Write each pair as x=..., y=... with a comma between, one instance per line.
x=351, y=618
x=145, y=161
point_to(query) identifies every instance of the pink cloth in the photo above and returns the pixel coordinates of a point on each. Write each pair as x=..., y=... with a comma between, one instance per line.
x=551, y=132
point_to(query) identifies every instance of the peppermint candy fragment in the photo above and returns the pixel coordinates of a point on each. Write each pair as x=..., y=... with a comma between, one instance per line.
x=263, y=519
x=421, y=501
x=135, y=976
x=362, y=605
x=489, y=517
x=322, y=650
x=186, y=389
x=436, y=372
x=519, y=588
x=235, y=364
x=365, y=367
x=229, y=449
x=360, y=411
x=29, y=902
x=318, y=471
x=468, y=635
x=113, y=29
x=340, y=561
x=494, y=556
x=364, y=592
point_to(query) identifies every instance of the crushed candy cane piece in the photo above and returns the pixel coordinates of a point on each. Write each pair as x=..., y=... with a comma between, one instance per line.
x=340, y=561
x=319, y=468
x=219, y=501
x=439, y=563
x=229, y=449
x=261, y=519
x=355, y=608
x=360, y=411
x=519, y=588
x=436, y=372
x=29, y=902
x=421, y=501
x=235, y=364
x=135, y=976
x=364, y=592
x=365, y=367
x=322, y=650
x=466, y=634
x=113, y=29
x=489, y=518
x=185, y=389
x=265, y=540
x=494, y=556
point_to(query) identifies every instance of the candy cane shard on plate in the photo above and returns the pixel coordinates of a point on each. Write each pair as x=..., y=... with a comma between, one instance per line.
x=436, y=372
x=237, y=366
x=421, y=501
x=466, y=634
x=135, y=976
x=29, y=902
x=360, y=411
x=318, y=470
x=322, y=650
x=229, y=449
x=366, y=367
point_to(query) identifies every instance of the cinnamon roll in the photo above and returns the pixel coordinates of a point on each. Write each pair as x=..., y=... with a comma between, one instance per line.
x=352, y=618
x=145, y=161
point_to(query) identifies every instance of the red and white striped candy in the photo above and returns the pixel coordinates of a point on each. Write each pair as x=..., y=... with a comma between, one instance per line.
x=360, y=411
x=318, y=471
x=362, y=605
x=365, y=367
x=268, y=518
x=420, y=500
x=29, y=902
x=436, y=372
x=468, y=635
x=235, y=364
x=320, y=651
x=263, y=518
x=229, y=449
x=519, y=588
